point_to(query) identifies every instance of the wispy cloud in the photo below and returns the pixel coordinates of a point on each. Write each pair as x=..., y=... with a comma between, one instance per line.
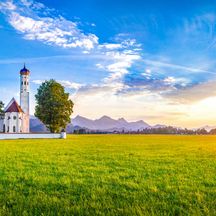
x=202, y=27
x=25, y=18
x=71, y=85
x=193, y=94
x=8, y=5
x=65, y=83
x=176, y=66
x=37, y=22
x=122, y=62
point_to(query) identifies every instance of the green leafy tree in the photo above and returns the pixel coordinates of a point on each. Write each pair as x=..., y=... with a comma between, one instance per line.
x=1, y=109
x=53, y=106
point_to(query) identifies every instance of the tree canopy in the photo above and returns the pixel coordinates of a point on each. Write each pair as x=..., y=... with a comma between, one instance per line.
x=53, y=106
x=1, y=108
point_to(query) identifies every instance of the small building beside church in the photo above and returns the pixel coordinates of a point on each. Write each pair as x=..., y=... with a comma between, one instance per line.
x=16, y=117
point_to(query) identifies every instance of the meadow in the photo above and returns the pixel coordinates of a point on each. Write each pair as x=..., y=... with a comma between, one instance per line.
x=109, y=175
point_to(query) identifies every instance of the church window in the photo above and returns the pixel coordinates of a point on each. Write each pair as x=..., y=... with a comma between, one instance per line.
x=8, y=129
x=14, y=117
x=25, y=83
x=8, y=117
x=14, y=129
x=4, y=128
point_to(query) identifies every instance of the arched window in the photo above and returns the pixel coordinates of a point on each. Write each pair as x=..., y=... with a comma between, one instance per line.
x=14, y=129
x=8, y=129
x=25, y=82
x=4, y=128
x=14, y=117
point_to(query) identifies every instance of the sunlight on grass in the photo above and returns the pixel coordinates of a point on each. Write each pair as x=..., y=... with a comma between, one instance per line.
x=109, y=175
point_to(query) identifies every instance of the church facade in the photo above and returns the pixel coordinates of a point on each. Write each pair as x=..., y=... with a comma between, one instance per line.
x=16, y=117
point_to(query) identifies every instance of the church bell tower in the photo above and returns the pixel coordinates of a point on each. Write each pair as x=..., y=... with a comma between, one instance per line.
x=24, y=97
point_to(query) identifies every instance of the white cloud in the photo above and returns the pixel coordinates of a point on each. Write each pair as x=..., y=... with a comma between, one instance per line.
x=122, y=62
x=8, y=5
x=65, y=83
x=56, y=30
x=110, y=46
x=147, y=74
x=51, y=30
x=195, y=93
x=71, y=85
x=114, y=58
x=27, y=3
x=38, y=82
x=148, y=71
x=177, y=80
x=170, y=80
x=100, y=66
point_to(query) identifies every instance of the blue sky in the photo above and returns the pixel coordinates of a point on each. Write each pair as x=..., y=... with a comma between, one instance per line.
x=150, y=60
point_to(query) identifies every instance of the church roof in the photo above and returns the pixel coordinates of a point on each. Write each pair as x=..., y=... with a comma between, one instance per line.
x=13, y=107
x=24, y=71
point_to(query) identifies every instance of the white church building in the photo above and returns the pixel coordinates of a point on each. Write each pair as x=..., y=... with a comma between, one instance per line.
x=16, y=117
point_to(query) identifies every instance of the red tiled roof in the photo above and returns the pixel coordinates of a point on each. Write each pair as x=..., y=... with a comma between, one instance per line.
x=14, y=107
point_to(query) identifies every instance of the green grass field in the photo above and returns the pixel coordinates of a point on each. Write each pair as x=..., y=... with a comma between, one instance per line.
x=109, y=175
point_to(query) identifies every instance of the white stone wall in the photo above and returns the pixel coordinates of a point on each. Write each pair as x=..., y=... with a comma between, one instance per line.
x=7, y=136
x=25, y=123
x=13, y=122
x=1, y=124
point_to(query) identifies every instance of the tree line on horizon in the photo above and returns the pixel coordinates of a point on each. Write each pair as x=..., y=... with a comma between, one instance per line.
x=160, y=130
x=1, y=109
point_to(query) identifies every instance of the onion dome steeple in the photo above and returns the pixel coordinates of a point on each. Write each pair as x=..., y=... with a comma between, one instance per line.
x=24, y=71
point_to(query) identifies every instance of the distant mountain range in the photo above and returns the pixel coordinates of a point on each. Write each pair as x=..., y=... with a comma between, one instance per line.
x=104, y=123
x=108, y=124
x=36, y=125
x=207, y=128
